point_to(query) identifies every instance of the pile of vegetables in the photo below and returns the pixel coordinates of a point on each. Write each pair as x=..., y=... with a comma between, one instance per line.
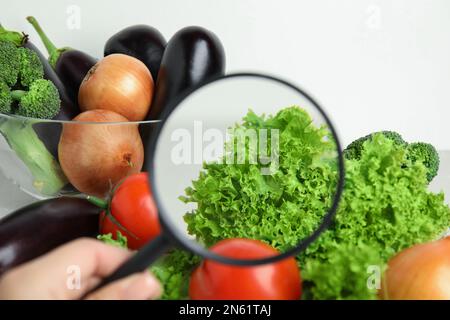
x=25, y=92
x=139, y=76
x=383, y=242
x=386, y=208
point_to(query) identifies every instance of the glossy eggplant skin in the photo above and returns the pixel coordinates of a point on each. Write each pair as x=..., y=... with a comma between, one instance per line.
x=140, y=41
x=193, y=56
x=40, y=227
x=71, y=67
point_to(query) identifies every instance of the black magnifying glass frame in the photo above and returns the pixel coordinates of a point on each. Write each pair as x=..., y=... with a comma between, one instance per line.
x=170, y=236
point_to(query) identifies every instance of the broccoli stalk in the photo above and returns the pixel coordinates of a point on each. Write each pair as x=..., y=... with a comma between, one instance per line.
x=53, y=52
x=21, y=137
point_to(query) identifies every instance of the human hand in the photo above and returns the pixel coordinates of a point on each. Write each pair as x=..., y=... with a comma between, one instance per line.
x=51, y=275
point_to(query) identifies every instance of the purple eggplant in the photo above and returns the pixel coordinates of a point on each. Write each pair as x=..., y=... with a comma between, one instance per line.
x=140, y=41
x=193, y=56
x=40, y=227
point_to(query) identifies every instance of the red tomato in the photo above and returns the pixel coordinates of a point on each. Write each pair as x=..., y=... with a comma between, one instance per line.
x=215, y=281
x=134, y=210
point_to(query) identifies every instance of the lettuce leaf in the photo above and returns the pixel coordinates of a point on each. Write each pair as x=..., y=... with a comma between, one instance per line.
x=174, y=270
x=238, y=200
x=348, y=272
x=121, y=241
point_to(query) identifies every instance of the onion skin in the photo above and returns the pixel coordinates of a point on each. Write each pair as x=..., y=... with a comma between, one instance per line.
x=95, y=157
x=118, y=83
x=421, y=272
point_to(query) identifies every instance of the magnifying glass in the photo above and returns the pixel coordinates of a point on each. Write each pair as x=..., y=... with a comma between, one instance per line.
x=267, y=141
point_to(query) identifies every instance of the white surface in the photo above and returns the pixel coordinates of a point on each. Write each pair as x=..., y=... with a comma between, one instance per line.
x=11, y=197
x=373, y=64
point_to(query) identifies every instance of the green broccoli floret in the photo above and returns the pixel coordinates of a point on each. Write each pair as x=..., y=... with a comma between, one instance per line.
x=9, y=62
x=354, y=149
x=5, y=98
x=427, y=154
x=40, y=101
x=31, y=68
x=419, y=151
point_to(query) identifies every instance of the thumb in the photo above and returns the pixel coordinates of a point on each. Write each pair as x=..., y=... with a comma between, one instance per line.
x=140, y=286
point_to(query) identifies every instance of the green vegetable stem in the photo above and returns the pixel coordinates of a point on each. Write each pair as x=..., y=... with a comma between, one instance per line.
x=53, y=51
x=21, y=137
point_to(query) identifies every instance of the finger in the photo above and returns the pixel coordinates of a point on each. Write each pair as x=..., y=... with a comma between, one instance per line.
x=66, y=272
x=140, y=286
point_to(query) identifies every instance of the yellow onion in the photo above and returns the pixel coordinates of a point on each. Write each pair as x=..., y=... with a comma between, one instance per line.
x=95, y=156
x=420, y=272
x=118, y=83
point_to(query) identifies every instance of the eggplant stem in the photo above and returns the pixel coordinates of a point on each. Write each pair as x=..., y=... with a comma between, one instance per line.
x=53, y=52
x=103, y=204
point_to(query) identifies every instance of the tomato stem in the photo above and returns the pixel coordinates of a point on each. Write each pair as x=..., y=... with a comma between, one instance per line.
x=98, y=202
x=119, y=225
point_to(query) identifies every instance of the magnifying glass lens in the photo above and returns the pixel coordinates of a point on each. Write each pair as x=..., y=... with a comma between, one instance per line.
x=250, y=157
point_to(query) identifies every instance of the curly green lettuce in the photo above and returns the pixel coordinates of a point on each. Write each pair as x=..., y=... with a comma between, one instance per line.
x=348, y=272
x=120, y=242
x=386, y=207
x=385, y=204
x=239, y=200
x=174, y=271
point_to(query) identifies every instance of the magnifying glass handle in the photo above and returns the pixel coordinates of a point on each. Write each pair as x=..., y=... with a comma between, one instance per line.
x=138, y=262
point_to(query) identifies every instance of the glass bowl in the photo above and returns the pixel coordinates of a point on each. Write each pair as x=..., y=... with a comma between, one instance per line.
x=29, y=151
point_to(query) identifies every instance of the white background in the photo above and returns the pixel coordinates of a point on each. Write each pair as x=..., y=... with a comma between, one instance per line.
x=373, y=64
